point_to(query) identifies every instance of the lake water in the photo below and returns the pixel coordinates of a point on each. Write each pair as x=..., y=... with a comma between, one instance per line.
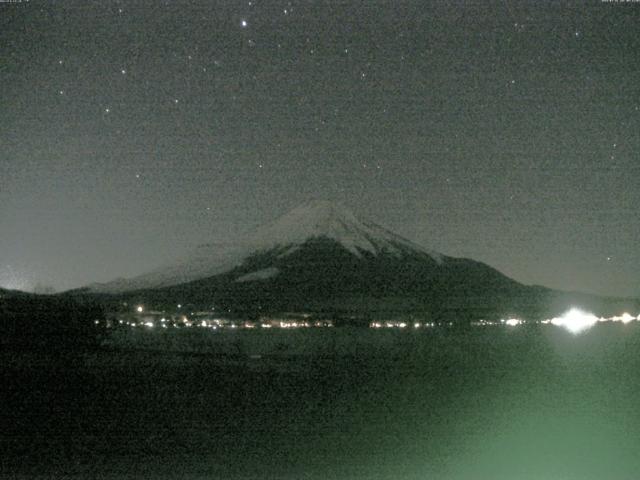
x=528, y=402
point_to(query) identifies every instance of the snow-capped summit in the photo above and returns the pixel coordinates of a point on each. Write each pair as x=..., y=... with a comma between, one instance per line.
x=287, y=234
x=329, y=220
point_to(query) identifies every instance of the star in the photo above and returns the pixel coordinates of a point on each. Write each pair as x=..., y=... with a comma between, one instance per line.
x=123, y=71
x=107, y=110
x=61, y=92
x=175, y=100
x=243, y=23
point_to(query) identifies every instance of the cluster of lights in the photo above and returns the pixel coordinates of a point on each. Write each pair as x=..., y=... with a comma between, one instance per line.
x=416, y=325
x=220, y=324
x=512, y=322
x=575, y=320
x=196, y=320
x=624, y=318
x=294, y=325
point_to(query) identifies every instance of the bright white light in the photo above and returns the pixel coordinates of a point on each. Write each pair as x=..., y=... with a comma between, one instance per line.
x=244, y=23
x=575, y=320
x=140, y=309
x=624, y=318
x=149, y=324
x=512, y=322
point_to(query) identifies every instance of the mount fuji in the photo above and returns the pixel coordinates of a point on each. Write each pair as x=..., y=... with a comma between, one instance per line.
x=322, y=258
x=310, y=222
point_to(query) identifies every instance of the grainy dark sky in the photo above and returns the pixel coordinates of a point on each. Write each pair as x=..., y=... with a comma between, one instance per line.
x=508, y=132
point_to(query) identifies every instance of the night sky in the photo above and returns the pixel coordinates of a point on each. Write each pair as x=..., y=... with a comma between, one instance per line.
x=507, y=132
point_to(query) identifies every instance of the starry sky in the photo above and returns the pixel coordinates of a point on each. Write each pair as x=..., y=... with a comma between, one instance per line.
x=505, y=131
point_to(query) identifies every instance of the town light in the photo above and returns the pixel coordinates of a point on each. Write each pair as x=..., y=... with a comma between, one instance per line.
x=626, y=318
x=575, y=320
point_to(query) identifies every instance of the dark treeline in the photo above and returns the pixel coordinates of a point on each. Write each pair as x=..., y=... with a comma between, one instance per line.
x=52, y=322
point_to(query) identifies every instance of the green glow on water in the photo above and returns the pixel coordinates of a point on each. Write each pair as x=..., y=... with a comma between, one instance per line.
x=536, y=404
x=496, y=403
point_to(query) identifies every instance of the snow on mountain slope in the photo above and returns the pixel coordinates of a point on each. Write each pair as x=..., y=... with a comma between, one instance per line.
x=263, y=274
x=330, y=220
x=317, y=219
x=205, y=261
